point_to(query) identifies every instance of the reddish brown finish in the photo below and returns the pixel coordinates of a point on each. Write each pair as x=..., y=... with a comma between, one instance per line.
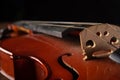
x=49, y=50
x=6, y=64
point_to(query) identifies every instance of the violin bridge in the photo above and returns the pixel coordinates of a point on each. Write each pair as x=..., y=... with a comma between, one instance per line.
x=99, y=40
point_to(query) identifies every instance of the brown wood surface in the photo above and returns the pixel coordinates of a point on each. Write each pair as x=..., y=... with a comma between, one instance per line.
x=48, y=49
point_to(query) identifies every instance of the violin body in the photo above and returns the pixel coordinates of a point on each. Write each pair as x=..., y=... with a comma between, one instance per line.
x=59, y=60
x=44, y=57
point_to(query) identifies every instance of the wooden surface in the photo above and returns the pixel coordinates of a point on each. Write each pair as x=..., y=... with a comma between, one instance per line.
x=49, y=49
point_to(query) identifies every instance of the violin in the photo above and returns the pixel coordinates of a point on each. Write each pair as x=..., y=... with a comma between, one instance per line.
x=72, y=51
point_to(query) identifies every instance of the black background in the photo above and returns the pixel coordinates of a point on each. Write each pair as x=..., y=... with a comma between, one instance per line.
x=106, y=11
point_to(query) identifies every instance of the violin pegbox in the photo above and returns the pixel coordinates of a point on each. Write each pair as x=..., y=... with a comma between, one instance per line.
x=99, y=40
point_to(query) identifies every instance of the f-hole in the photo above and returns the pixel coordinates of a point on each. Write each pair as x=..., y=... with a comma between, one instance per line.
x=72, y=70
